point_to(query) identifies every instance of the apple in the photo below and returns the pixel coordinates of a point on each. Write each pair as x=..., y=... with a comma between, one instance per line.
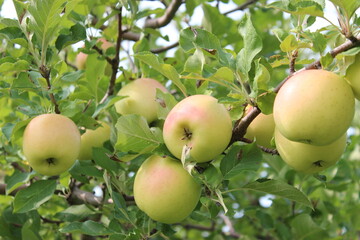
x=200, y=123
x=51, y=144
x=315, y=107
x=141, y=98
x=81, y=57
x=164, y=190
x=353, y=76
x=309, y=158
x=261, y=128
x=93, y=138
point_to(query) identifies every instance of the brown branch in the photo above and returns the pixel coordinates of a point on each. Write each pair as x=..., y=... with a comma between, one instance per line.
x=115, y=61
x=241, y=7
x=45, y=72
x=293, y=58
x=79, y=196
x=13, y=193
x=166, y=18
x=126, y=35
x=163, y=49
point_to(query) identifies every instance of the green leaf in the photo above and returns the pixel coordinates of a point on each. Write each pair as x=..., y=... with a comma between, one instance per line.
x=166, y=102
x=280, y=189
x=45, y=21
x=252, y=45
x=300, y=7
x=240, y=158
x=262, y=77
x=135, y=135
x=34, y=196
x=72, y=76
x=101, y=158
x=305, y=228
x=289, y=43
x=76, y=34
x=165, y=69
x=20, y=65
x=23, y=82
x=326, y=60
x=16, y=180
x=195, y=63
x=265, y=102
x=349, y=6
x=75, y=213
x=12, y=32
x=88, y=227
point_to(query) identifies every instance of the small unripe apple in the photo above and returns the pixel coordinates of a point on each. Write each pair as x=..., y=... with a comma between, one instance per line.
x=81, y=57
x=261, y=128
x=200, y=123
x=353, y=76
x=51, y=144
x=164, y=190
x=92, y=139
x=141, y=98
x=315, y=107
x=309, y=158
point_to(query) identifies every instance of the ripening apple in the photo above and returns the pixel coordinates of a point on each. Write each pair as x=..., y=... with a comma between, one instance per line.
x=141, y=98
x=81, y=57
x=164, y=190
x=200, y=123
x=315, y=107
x=92, y=139
x=353, y=76
x=261, y=128
x=51, y=144
x=309, y=158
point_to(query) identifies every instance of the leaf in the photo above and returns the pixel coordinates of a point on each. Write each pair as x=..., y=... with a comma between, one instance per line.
x=278, y=188
x=88, y=227
x=72, y=76
x=305, y=228
x=20, y=65
x=166, y=102
x=135, y=135
x=195, y=63
x=75, y=213
x=289, y=43
x=34, y=196
x=349, y=6
x=45, y=21
x=265, y=102
x=262, y=77
x=76, y=34
x=300, y=7
x=165, y=69
x=101, y=158
x=16, y=180
x=240, y=158
x=252, y=45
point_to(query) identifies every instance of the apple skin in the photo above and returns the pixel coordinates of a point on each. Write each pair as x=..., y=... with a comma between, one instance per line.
x=261, y=128
x=81, y=57
x=51, y=144
x=202, y=124
x=353, y=76
x=314, y=107
x=309, y=158
x=141, y=98
x=164, y=190
x=92, y=139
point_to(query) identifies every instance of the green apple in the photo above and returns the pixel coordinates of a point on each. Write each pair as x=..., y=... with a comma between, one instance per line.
x=141, y=98
x=309, y=158
x=353, y=76
x=261, y=128
x=92, y=139
x=200, y=123
x=81, y=57
x=164, y=190
x=51, y=143
x=315, y=107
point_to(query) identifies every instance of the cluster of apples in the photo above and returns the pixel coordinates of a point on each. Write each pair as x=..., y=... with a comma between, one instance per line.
x=312, y=112
x=163, y=189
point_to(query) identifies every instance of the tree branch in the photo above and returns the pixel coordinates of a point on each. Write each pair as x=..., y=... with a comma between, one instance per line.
x=166, y=18
x=163, y=49
x=45, y=72
x=241, y=7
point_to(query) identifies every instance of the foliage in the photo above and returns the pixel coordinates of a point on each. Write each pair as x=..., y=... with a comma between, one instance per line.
x=240, y=57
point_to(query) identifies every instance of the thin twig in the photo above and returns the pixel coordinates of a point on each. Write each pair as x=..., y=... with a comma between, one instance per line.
x=166, y=18
x=241, y=7
x=163, y=49
x=45, y=72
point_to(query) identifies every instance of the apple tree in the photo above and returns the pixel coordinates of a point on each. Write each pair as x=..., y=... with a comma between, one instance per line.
x=172, y=119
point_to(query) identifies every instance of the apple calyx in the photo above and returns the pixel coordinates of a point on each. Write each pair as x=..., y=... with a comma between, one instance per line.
x=318, y=163
x=51, y=160
x=187, y=134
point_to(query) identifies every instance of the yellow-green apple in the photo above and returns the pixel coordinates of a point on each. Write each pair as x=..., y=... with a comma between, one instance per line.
x=81, y=57
x=315, y=107
x=309, y=158
x=261, y=128
x=51, y=143
x=353, y=76
x=141, y=98
x=92, y=139
x=200, y=123
x=164, y=190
